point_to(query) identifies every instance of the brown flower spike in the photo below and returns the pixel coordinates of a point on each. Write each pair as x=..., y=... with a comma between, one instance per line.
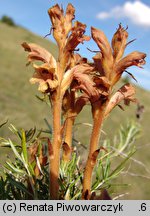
x=55, y=78
x=109, y=65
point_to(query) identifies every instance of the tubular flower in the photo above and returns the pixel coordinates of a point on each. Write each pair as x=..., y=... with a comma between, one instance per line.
x=36, y=153
x=106, y=57
x=61, y=23
x=66, y=34
x=126, y=93
x=45, y=76
x=133, y=59
x=79, y=73
x=75, y=38
x=46, y=73
x=119, y=42
x=109, y=61
x=69, y=66
x=37, y=52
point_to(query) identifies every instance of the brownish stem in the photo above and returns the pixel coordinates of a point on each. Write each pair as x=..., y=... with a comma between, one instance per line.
x=54, y=174
x=69, y=127
x=56, y=145
x=98, y=116
x=57, y=136
x=68, y=138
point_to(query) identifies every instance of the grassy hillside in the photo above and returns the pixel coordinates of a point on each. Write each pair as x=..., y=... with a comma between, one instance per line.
x=19, y=105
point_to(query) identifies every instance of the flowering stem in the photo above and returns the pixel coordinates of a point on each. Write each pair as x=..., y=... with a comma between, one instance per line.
x=56, y=145
x=98, y=116
x=68, y=138
x=69, y=127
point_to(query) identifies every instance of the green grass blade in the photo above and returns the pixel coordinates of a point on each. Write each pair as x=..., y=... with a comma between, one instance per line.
x=15, y=151
x=121, y=165
x=24, y=146
x=13, y=168
x=19, y=185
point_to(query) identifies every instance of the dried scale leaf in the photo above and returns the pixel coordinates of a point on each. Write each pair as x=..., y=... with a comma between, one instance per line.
x=80, y=103
x=50, y=149
x=95, y=155
x=66, y=102
x=87, y=195
x=42, y=160
x=35, y=152
x=66, y=150
x=103, y=196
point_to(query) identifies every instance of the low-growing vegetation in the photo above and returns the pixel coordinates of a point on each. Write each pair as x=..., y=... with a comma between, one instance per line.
x=7, y=20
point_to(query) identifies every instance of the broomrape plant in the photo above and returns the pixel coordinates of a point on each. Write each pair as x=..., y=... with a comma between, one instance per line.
x=70, y=82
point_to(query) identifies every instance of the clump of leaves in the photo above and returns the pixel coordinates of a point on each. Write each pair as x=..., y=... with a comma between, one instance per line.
x=25, y=178
x=24, y=173
x=8, y=20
